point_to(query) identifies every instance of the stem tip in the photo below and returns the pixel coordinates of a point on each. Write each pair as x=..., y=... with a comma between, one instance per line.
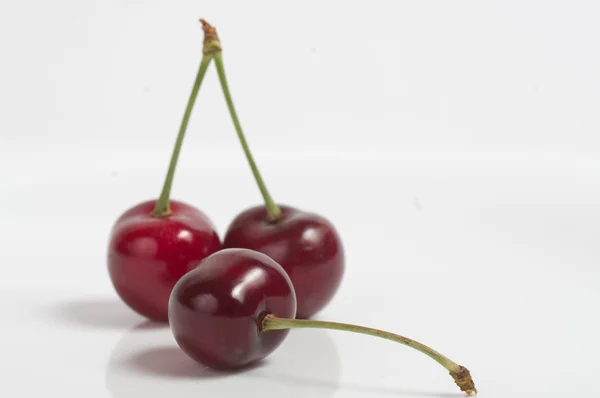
x=212, y=45
x=462, y=378
x=210, y=31
x=263, y=322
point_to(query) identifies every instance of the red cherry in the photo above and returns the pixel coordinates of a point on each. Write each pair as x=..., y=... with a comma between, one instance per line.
x=236, y=307
x=155, y=243
x=214, y=310
x=147, y=255
x=306, y=245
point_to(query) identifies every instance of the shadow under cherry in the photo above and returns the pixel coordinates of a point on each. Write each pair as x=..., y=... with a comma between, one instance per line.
x=98, y=314
x=148, y=362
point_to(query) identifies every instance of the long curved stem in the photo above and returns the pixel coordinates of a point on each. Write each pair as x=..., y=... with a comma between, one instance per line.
x=273, y=211
x=460, y=374
x=162, y=207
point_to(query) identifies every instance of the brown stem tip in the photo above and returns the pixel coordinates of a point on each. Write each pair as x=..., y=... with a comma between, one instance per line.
x=210, y=32
x=462, y=378
x=212, y=45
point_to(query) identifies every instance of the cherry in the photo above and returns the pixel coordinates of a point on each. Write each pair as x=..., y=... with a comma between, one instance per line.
x=305, y=244
x=155, y=243
x=237, y=306
x=213, y=311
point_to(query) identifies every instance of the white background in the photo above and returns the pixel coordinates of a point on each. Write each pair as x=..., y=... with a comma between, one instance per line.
x=454, y=144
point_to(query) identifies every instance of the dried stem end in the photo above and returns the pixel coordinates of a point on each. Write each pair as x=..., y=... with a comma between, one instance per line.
x=462, y=378
x=263, y=323
x=212, y=44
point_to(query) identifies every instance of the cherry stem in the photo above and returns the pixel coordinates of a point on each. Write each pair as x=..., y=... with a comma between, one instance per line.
x=162, y=207
x=460, y=374
x=273, y=210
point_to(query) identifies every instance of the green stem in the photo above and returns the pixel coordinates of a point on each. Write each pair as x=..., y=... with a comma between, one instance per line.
x=162, y=207
x=273, y=211
x=460, y=374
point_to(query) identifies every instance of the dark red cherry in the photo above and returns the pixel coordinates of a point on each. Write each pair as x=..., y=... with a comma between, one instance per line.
x=147, y=255
x=306, y=245
x=237, y=306
x=215, y=310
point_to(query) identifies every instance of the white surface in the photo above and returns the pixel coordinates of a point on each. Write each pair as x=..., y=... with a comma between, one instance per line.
x=454, y=145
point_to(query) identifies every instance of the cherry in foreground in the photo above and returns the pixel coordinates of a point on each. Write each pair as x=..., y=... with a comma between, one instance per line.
x=155, y=243
x=238, y=305
x=306, y=244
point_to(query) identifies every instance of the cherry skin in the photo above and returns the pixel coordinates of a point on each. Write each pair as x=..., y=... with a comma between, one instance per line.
x=215, y=310
x=147, y=255
x=306, y=245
